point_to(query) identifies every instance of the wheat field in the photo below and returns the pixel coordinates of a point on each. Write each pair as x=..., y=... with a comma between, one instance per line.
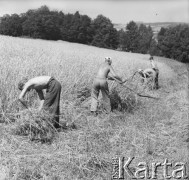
x=150, y=130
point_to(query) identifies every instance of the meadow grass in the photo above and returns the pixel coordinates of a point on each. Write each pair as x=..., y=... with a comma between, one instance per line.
x=150, y=130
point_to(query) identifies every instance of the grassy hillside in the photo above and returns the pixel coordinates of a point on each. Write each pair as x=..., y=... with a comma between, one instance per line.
x=150, y=130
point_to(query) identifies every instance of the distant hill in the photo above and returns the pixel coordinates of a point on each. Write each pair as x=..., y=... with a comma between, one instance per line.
x=156, y=26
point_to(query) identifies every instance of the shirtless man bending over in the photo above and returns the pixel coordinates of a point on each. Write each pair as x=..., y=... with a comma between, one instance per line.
x=51, y=101
x=100, y=84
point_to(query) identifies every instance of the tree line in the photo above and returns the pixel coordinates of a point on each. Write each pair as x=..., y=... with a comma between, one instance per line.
x=42, y=23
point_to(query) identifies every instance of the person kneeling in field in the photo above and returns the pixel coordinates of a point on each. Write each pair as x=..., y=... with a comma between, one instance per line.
x=51, y=101
x=150, y=73
x=100, y=84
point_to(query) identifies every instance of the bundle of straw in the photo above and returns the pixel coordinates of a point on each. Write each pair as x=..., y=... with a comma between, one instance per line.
x=36, y=125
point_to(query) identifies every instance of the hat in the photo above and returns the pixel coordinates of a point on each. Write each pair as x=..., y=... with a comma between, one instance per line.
x=151, y=57
x=108, y=58
x=22, y=83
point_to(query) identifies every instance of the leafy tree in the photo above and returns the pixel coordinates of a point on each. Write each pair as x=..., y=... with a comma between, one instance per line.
x=154, y=49
x=65, y=27
x=85, y=30
x=145, y=38
x=136, y=39
x=174, y=42
x=42, y=23
x=104, y=34
x=132, y=37
x=122, y=39
x=76, y=28
x=11, y=25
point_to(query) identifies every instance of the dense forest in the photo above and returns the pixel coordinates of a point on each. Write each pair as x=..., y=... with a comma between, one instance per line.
x=42, y=23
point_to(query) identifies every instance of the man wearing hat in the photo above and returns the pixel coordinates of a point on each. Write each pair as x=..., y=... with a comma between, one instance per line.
x=100, y=84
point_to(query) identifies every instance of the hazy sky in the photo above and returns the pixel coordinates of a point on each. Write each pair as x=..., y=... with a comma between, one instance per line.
x=118, y=11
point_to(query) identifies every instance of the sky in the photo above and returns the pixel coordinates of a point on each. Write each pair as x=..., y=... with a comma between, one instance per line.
x=118, y=11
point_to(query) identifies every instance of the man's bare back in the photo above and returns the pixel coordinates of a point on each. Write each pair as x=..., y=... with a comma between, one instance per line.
x=38, y=83
x=100, y=84
x=104, y=70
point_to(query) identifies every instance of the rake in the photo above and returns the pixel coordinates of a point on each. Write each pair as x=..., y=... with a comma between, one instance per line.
x=139, y=94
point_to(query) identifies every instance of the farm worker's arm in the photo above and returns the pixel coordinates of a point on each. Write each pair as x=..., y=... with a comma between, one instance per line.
x=153, y=65
x=115, y=76
x=27, y=87
x=41, y=97
x=145, y=75
x=123, y=81
x=110, y=78
x=148, y=73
